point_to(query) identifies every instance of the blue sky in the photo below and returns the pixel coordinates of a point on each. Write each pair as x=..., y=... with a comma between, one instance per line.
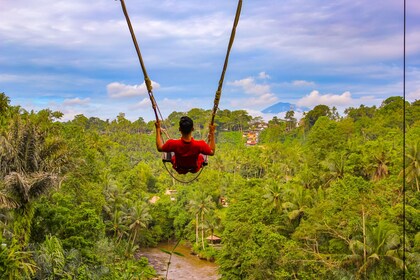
x=77, y=56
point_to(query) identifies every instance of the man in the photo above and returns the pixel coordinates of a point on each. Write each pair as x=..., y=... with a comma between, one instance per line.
x=188, y=151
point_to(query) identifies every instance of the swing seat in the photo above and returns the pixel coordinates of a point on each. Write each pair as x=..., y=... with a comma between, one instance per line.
x=167, y=157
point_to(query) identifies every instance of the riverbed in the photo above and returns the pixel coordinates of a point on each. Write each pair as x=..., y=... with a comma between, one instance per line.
x=188, y=266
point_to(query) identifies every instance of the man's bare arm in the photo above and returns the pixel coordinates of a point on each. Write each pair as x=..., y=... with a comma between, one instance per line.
x=159, y=141
x=211, y=140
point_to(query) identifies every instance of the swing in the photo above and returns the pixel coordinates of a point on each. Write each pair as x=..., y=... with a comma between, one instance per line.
x=167, y=157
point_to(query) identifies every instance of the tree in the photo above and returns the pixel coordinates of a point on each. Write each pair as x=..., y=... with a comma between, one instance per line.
x=202, y=205
x=335, y=164
x=31, y=162
x=380, y=166
x=213, y=223
x=379, y=252
x=324, y=137
x=117, y=224
x=80, y=120
x=391, y=111
x=412, y=169
x=251, y=242
x=362, y=112
x=297, y=200
x=275, y=120
x=273, y=195
x=138, y=219
x=291, y=120
x=318, y=111
x=4, y=104
x=200, y=119
x=241, y=120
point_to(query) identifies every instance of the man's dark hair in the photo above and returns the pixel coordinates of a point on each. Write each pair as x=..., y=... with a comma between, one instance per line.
x=186, y=124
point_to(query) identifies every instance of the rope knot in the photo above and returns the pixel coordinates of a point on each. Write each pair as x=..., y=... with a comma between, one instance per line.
x=148, y=83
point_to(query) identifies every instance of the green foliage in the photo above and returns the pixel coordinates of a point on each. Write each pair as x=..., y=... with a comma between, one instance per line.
x=15, y=262
x=320, y=200
x=72, y=224
x=251, y=246
x=50, y=259
x=318, y=111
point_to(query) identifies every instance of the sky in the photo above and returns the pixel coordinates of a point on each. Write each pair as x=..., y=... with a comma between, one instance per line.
x=77, y=56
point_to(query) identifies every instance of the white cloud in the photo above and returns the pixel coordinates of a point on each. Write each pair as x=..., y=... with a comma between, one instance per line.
x=414, y=95
x=268, y=117
x=261, y=94
x=254, y=102
x=76, y=46
x=250, y=87
x=8, y=78
x=119, y=90
x=303, y=83
x=76, y=101
x=263, y=75
x=315, y=98
x=143, y=104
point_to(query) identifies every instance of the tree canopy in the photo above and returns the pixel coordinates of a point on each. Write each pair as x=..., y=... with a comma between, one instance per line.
x=318, y=198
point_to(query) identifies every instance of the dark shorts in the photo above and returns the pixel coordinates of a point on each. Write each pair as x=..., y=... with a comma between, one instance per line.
x=191, y=169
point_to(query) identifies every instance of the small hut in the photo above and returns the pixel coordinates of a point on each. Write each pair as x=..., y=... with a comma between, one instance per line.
x=214, y=239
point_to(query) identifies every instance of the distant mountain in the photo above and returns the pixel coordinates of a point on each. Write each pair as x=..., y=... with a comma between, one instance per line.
x=283, y=107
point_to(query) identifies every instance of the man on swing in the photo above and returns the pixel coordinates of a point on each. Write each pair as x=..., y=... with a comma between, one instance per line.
x=188, y=152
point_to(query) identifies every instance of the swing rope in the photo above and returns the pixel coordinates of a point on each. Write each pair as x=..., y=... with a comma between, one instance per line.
x=148, y=82
x=222, y=77
x=171, y=173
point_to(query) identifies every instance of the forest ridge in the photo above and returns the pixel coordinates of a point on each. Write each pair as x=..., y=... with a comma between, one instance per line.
x=317, y=198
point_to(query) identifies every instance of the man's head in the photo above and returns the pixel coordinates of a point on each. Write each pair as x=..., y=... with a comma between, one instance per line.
x=186, y=125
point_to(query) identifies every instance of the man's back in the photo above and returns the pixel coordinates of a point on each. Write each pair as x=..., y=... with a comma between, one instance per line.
x=187, y=154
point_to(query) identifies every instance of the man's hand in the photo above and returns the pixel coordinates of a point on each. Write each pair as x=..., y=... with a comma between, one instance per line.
x=212, y=128
x=157, y=125
x=211, y=140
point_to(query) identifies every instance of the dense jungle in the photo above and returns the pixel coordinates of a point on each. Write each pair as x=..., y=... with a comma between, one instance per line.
x=328, y=196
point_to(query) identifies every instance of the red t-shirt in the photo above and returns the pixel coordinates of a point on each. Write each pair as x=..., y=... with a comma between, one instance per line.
x=188, y=155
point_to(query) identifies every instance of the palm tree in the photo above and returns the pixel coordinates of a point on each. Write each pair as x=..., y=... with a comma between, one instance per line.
x=117, y=224
x=138, y=219
x=31, y=161
x=273, y=195
x=200, y=207
x=213, y=223
x=297, y=200
x=194, y=207
x=380, y=247
x=4, y=108
x=116, y=211
x=412, y=169
x=380, y=166
x=306, y=176
x=335, y=165
x=21, y=190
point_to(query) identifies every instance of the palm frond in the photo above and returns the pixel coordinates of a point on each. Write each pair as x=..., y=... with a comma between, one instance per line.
x=17, y=185
x=7, y=202
x=40, y=183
